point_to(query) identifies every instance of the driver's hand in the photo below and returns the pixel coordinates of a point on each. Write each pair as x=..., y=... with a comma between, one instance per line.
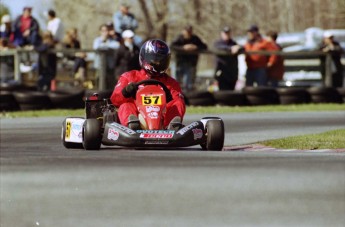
x=130, y=90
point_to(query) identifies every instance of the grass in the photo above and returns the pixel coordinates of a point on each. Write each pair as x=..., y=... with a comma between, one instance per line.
x=190, y=110
x=328, y=140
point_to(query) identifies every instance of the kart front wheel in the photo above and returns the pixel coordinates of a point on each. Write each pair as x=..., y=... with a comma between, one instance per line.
x=214, y=132
x=92, y=136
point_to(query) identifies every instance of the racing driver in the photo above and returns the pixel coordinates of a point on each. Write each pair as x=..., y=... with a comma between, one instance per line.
x=154, y=59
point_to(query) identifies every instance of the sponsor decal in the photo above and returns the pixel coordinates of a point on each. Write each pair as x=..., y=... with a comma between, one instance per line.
x=76, y=127
x=197, y=132
x=68, y=129
x=113, y=134
x=150, y=109
x=80, y=135
x=153, y=115
x=123, y=128
x=156, y=134
x=157, y=142
x=182, y=131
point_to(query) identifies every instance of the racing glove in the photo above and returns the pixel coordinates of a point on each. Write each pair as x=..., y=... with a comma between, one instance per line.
x=130, y=90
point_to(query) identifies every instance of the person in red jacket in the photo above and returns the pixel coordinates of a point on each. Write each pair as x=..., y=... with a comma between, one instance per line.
x=256, y=63
x=275, y=65
x=154, y=59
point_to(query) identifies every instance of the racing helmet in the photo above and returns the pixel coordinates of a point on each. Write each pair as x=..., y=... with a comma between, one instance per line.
x=154, y=57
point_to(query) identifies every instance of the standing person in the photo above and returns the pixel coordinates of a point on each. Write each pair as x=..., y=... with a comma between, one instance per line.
x=104, y=42
x=46, y=62
x=275, y=65
x=154, y=60
x=256, y=63
x=227, y=65
x=186, y=61
x=6, y=32
x=55, y=26
x=331, y=46
x=125, y=20
x=26, y=29
x=127, y=56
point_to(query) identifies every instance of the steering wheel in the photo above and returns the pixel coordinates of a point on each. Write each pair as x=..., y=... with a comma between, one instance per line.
x=156, y=82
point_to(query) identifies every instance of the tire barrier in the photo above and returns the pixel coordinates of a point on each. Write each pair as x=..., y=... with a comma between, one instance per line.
x=32, y=100
x=324, y=95
x=261, y=96
x=199, y=98
x=293, y=96
x=22, y=99
x=230, y=98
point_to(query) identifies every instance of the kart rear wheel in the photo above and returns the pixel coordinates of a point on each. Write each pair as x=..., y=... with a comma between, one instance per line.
x=92, y=134
x=69, y=145
x=214, y=135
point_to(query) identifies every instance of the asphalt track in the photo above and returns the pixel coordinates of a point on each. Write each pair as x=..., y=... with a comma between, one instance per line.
x=43, y=184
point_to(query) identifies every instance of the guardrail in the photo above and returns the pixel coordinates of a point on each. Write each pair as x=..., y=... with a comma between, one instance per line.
x=101, y=71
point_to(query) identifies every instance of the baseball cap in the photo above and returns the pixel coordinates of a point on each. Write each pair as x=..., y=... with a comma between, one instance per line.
x=253, y=28
x=226, y=29
x=127, y=34
x=27, y=8
x=328, y=34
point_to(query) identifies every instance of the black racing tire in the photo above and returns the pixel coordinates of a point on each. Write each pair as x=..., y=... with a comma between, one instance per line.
x=32, y=100
x=214, y=132
x=324, y=95
x=8, y=101
x=92, y=134
x=261, y=96
x=230, y=98
x=69, y=145
x=293, y=95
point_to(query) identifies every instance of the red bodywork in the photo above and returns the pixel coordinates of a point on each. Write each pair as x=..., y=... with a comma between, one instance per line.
x=151, y=104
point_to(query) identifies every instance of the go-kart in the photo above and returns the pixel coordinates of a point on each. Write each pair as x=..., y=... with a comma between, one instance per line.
x=101, y=125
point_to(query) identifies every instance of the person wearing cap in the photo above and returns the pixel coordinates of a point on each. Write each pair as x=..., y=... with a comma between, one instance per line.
x=187, y=44
x=127, y=56
x=227, y=65
x=6, y=28
x=26, y=29
x=55, y=26
x=275, y=65
x=256, y=63
x=331, y=46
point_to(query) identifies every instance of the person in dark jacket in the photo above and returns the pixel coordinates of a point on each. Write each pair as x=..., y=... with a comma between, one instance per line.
x=127, y=56
x=333, y=47
x=26, y=29
x=47, y=62
x=227, y=65
x=186, y=61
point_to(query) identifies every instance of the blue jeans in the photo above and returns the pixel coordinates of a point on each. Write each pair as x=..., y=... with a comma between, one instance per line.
x=185, y=75
x=257, y=75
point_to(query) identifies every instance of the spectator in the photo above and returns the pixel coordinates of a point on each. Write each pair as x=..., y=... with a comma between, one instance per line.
x=124, y=20
x=112, y=33
x=256, y=63
x=6, y=62
x=46, y=62
x=55, y=26
x=6, y=31
x=127, y=56
x=71, y=39
x=275, y=65
x=227, y=65
x=26, y=29
x=186, y=61
x=104, y=42
x=331, y=46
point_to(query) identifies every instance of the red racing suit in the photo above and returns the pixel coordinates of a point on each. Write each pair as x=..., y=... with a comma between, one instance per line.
x=126, y=106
